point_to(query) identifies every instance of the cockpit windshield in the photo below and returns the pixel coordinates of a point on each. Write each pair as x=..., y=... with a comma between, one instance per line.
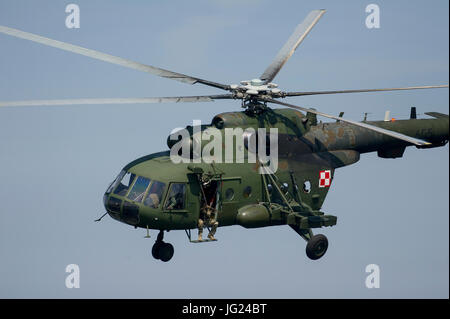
x=124, y=185
x=154, y=194
x=138, y=189
x=140, y=186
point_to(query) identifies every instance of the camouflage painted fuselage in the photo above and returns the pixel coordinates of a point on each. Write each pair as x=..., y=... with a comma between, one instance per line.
x=305, y=148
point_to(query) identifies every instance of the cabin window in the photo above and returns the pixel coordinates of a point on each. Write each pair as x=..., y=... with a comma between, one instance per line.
x=124, y=184
x=247, y=192
x=270, y=188
x=154, y=194
x=176, y=199
x=284, y=187
x=307, y=187
x=137, y=192
x=229, y=194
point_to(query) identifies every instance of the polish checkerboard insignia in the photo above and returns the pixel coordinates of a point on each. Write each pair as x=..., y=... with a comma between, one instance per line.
x=325, y=178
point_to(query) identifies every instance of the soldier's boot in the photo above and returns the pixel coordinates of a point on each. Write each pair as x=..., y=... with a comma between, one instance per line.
x=213, y=230
x=200, y=230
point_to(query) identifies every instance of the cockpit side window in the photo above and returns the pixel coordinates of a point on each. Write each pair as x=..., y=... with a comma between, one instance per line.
x=176, y=200
x=137, y=192
x=124, y=184
x=154, y=194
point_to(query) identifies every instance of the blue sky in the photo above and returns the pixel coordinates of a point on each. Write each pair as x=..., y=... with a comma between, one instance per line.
x=56, y=162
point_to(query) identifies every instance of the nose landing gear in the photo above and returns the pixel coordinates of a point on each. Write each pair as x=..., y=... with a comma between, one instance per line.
x=162, y=250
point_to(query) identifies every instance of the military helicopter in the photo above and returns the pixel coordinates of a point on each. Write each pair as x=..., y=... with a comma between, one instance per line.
x=154, y=192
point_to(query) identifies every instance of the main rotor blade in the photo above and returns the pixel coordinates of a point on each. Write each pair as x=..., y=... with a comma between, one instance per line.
x=365, y=90
x=292, y=43
x=109, y=58
x=377, y=129
x=145, y=100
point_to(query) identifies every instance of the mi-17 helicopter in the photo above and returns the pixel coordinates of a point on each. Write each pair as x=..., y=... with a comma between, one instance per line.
x=154, y=192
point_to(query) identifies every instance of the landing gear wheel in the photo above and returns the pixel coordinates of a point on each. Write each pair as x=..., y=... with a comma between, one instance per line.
x=161, y=250
x=165, y=252
x=317, y=247
x=155, y=249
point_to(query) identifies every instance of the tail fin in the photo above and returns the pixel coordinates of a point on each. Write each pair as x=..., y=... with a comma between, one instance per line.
x=413, y=114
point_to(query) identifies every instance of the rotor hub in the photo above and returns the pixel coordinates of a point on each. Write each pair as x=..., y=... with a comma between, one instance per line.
x=251, y=90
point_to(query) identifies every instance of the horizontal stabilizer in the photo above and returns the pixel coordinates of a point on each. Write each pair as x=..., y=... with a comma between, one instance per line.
x=437, y=115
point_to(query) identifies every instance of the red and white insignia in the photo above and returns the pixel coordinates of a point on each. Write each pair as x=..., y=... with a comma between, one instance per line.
x=325, y=178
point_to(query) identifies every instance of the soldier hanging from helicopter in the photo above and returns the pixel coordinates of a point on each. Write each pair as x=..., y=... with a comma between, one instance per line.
x=208, y=211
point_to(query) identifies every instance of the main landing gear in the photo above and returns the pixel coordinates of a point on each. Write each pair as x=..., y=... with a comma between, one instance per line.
x=161, y=250
x=316, y=246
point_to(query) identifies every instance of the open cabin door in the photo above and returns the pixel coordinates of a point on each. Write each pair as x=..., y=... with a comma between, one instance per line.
x=209, y=198
x=211, y=195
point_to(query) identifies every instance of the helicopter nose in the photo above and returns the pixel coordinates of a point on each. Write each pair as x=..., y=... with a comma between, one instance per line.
x=112, y=205
x=121, y=210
